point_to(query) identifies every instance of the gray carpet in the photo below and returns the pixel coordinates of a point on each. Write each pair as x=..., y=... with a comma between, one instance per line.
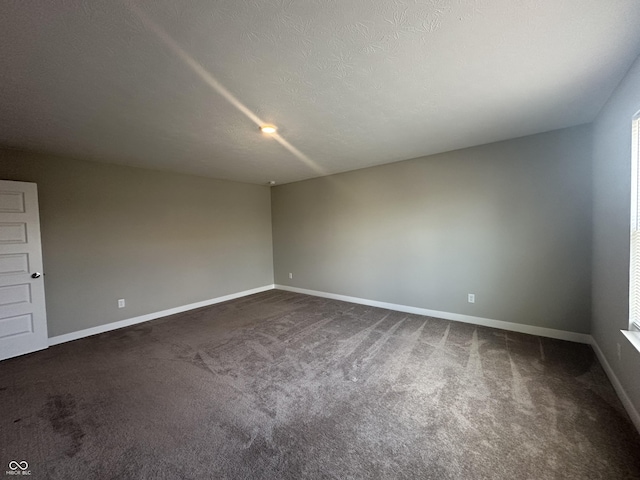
x=282, y=385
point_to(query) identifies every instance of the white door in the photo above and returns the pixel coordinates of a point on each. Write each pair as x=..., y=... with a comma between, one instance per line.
x=23, y=320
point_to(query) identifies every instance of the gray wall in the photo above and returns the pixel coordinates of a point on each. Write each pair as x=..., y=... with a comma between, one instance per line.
x=157, y=239
x=509, y=221
x=611, y=217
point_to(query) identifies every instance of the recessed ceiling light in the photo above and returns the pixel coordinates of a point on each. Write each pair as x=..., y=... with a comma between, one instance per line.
x=271, y=182
x=268, y=128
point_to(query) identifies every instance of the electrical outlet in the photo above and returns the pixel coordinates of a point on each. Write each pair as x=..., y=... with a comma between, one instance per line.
x=471, y=298
x=290, y=275
x=619, y=351
x=121, y=303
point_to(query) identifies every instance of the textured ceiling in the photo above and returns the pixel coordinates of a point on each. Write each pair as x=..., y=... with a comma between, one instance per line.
x=180, y=85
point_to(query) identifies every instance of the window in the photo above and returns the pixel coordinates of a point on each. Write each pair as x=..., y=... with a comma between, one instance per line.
x=634, y=269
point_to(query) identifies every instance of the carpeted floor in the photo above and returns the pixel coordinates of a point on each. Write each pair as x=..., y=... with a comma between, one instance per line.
x=283, y=385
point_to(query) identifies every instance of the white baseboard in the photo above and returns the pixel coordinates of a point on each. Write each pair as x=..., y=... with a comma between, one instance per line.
x=151, y=316
x=622, y=394
x=486, y=322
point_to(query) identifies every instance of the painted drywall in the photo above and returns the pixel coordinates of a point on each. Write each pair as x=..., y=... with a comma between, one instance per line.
x=156, y=239
x=611, y=218
x=509, y=222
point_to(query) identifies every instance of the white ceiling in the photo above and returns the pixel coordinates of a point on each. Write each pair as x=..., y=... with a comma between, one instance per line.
x=180, y=85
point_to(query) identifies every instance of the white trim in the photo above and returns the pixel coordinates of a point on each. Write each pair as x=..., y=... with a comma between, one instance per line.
x=486, y=322
x=516, y=327
x=622, y=394
x=633, y=337
x=68, y=337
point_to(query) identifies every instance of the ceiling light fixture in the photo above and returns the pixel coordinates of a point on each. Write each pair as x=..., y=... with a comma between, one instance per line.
x=268, y=128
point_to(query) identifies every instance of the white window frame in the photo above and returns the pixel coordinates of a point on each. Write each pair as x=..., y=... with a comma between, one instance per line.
x=633, y=334
x=634, y=264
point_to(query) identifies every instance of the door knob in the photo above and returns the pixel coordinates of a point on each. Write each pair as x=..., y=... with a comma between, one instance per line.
x=36, y=275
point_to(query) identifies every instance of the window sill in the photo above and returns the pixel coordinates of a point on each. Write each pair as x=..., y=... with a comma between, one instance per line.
x=633, y=337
